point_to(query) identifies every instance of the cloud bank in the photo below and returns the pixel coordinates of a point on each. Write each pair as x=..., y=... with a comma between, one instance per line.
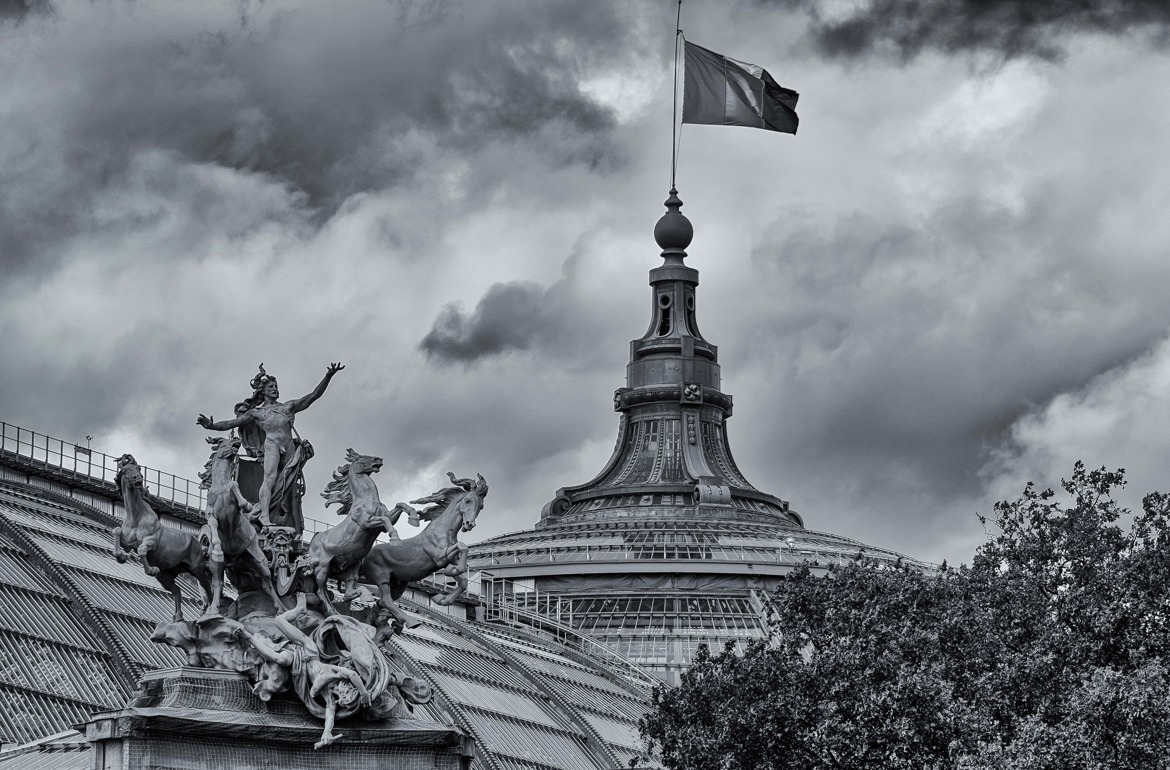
x=1007, y=28
x=950, y=275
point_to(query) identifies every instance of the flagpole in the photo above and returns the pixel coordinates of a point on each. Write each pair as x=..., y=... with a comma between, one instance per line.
x=674, y=124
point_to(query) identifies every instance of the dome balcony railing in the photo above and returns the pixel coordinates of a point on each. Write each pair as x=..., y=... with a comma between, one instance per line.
x=516, y=604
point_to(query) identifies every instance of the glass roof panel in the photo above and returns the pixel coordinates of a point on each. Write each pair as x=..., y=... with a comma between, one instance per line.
x=72, y=759
x=625, y=757
x=504, y=702
x=581, y=696
x=62, y=671
x=53, y=525
x=31, y=497
x=511, y=640
x=94, y=561
x=621, y=733
x=27, y=716
x=135, y=634
x=556, y=750
x=428, y=630
x=138, y=601
x=511, y=763
x=42, y=615
x=460, y=662
x=17, y=570
x=566, y=670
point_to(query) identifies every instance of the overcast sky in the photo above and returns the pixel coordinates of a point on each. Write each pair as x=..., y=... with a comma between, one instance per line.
x=951, y=281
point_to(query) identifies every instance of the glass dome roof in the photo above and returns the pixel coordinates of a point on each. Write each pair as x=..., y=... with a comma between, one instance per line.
x=652, y=588
x=75, y=627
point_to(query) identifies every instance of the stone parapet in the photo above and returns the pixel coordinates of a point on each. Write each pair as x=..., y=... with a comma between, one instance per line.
x=198, y=718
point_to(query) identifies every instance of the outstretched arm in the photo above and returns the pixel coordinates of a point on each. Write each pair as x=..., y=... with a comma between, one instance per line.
x=302, y=403
x=263, y=647
x=235, y=422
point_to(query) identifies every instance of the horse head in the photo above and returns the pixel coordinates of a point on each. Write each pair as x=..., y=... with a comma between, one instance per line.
x=362, y=464
x=472, y=501
x=345, y=482
x=128, y=469
x=224, y=448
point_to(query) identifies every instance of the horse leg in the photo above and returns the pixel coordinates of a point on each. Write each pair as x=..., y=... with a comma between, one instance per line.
x=167, y=579
x=460, y=585
x=348, y=581
x=245, y=506
x=390, y=610
x=321, y=573
x=265, y=575
x=148, y=544
x=119, y=554
x=457, y=553
x=202, y=569
x=216, y=568
x=214, y=542
x=456, y=568
x=410, y=511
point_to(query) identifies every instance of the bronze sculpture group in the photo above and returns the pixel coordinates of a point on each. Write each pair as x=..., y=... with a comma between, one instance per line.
x=327, y=655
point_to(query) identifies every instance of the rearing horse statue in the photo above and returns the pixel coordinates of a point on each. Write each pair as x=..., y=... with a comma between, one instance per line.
x=338, y=552
x=231, y=535
x=165, y=552
x=394, y=565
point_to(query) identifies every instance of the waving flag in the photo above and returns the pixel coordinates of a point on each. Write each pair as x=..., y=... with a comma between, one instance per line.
x=724, y=92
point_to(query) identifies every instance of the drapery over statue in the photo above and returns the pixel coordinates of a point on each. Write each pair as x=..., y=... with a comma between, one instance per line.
x=284, y=630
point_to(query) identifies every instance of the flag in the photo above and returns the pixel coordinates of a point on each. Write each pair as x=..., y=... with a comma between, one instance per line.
x=725, y=92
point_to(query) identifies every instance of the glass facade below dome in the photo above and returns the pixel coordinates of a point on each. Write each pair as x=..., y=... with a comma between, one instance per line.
x=651, y=590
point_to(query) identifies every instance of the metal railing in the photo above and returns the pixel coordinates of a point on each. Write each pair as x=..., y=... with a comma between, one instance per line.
x=507, y=601
x=780, y=554
x=65, y=458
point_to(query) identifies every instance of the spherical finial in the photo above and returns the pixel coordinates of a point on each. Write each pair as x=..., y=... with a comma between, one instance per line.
x=673, y=231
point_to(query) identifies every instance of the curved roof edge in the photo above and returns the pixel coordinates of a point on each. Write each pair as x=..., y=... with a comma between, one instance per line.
x=528, y=703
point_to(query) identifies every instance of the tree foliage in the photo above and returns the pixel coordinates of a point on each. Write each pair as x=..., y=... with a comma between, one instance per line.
x=1051, y=651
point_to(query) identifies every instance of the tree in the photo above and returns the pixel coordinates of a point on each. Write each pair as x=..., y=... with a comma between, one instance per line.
x=1051, y=651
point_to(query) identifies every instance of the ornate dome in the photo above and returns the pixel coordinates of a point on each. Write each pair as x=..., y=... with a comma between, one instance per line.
x=669, y=546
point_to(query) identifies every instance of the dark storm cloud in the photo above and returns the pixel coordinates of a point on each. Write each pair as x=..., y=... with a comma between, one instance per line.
x=509, y=317
x=911, y=351
x=315, y=98
x=17, y=10
x=1010, y=28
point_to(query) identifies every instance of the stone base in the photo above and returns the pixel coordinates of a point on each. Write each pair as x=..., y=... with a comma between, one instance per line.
x=193, y=718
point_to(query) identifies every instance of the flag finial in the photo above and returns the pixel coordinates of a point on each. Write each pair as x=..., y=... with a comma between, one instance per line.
x=674, y=232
